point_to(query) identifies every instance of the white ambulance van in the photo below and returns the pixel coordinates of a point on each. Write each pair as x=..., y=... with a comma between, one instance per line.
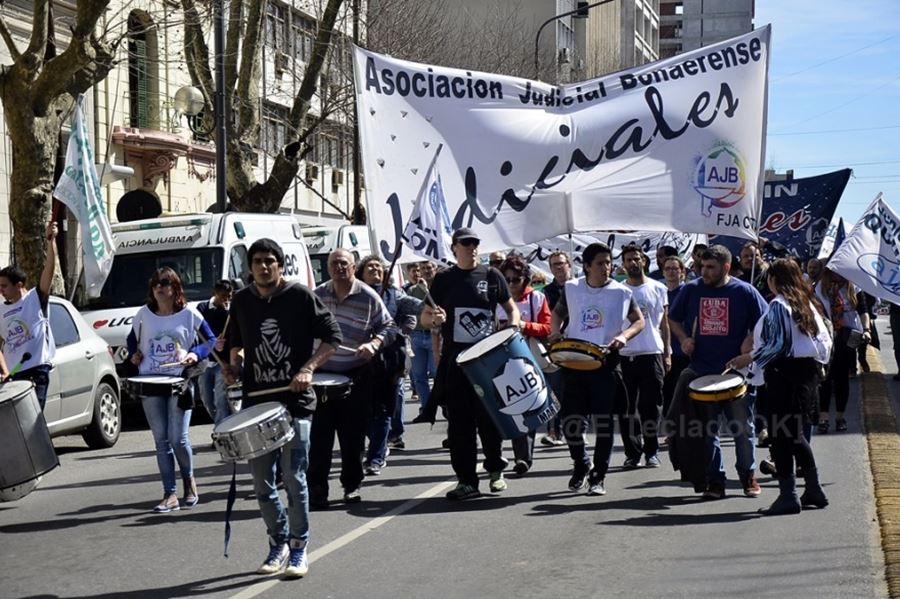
x=201, y=248
x=321, y=241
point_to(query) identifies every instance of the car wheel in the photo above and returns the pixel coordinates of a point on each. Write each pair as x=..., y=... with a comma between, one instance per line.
x=107, y=422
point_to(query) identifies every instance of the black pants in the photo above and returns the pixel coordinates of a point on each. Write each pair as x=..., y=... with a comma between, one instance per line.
x=468, y=419
x=639, y=421
x=346, y=412
x=792, y=386
x=838, y=379
x=586, y=393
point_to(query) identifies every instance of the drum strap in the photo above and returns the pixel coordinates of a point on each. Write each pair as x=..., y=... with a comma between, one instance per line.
x=229, y=505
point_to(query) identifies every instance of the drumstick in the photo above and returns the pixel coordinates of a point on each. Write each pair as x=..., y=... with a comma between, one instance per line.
x=268, y=391
x=346, y=348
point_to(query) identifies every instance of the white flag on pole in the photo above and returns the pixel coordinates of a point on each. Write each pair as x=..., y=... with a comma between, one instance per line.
x=428, y=233
x=79, y=190
x=870, y=255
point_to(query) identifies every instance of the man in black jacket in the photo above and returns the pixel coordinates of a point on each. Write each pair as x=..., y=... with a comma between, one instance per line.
x=276, y=323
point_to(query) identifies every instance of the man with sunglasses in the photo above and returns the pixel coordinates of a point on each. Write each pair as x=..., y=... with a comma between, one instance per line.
x=468, y=295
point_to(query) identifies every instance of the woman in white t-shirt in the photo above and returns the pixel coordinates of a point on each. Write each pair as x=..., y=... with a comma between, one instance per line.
x=164, y=341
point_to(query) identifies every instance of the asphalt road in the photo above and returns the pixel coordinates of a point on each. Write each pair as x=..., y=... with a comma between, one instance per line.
x=87, y=531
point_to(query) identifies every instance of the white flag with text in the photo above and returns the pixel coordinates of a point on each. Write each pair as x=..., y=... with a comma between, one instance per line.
x=428, y=233
x=79, y=190
x=870, y=255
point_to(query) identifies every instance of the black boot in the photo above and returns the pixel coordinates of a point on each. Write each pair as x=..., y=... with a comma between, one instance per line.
x=787, y=502
x=813, y=495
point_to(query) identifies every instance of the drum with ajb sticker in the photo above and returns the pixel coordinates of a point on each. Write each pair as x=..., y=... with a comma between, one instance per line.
x=26, y=451
x=576, y=354
x=154, y=385
x=509, y=383
x=718, y=387
x=253, y=431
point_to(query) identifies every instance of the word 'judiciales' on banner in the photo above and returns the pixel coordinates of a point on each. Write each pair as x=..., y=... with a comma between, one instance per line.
x=671, y=145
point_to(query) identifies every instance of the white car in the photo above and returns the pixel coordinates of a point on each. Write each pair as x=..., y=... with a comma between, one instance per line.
x=83, y=395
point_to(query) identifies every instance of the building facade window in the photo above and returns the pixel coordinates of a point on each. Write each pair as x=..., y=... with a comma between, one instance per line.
x=143, y=78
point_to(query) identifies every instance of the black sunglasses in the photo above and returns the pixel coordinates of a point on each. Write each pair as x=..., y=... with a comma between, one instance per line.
x=163, y=283
x=469, y=242
x=515, y=280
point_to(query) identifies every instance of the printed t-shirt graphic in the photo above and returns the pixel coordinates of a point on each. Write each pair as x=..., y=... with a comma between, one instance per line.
x=272, y=363
x=714, y=316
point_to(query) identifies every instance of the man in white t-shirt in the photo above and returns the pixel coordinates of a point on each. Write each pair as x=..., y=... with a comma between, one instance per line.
x=600, y=311
x=645, y=360
x=25, y=336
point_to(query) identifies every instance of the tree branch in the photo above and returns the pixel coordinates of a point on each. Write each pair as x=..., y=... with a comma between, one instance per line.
x=14, y=51
x=196, y=53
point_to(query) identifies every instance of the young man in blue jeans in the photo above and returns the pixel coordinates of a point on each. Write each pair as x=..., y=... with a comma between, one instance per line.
x=275, y=323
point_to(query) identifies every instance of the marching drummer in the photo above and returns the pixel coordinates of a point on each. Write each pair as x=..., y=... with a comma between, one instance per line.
x=275, y=323
x=27, y=351
x=167, y=335
x=367, y=327
x=713, y=318
x=600, y=311
x=468, y=295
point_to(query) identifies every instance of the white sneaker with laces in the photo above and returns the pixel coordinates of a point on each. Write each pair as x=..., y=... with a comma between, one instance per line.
x=274, y=563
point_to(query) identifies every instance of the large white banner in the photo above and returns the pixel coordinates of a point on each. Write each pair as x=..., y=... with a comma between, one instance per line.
x=79, y=189
x=675, y=145
x=870, y=255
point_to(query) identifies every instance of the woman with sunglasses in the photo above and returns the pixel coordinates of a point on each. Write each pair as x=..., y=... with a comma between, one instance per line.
x=535, y=313
x=164, y=341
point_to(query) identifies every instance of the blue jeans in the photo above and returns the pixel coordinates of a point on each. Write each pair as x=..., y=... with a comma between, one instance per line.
x=169, y=425
x=397, y=428
x=213, y=394
x=380, y=426
x=291, y=524
x=739, y=422
x=423, y=365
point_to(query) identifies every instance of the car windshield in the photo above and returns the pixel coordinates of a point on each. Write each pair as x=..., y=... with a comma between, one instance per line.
x=319, y=264
x=130, y=274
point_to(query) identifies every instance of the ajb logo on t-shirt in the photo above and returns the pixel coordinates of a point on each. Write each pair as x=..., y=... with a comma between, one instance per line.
x=591, y=318
x=714, y=316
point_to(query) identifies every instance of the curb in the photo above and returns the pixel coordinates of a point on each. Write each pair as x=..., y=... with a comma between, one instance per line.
x=880, y=427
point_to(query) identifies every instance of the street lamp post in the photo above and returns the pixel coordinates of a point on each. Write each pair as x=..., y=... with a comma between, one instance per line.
x=580, y=12
x=221, y=131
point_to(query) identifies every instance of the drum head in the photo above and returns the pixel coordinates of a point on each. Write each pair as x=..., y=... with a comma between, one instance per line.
x=329, y=379
x=249, y=416
x=485, y=345
x=714, y=383
x=156, y=379
x=14, y=389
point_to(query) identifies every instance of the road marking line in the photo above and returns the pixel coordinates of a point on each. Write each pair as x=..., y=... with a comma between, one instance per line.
x=346, y=539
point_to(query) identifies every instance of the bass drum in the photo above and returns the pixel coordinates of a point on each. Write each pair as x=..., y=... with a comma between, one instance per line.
x=26, y=451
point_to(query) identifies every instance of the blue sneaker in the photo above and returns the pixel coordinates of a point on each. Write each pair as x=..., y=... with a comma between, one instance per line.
x=297, y=565
x=274, y=563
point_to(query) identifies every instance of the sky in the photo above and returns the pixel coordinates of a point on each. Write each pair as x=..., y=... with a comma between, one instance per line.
x=834, y=94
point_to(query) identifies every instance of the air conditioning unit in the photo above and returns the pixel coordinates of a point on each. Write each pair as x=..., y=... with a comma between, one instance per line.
x=281, y=63
x=337, y=179
x=312, y=172
x=565, y=56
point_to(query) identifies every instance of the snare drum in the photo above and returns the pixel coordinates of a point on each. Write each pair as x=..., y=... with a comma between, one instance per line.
x=509, y=383
x=576, y=354
x=330, y=385
x=26, y=451
x=155, y=385
x=253, y=432
x=718, y=387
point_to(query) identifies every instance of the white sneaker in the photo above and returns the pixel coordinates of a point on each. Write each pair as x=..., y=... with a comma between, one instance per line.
x=278, y=555
x=298, y=564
